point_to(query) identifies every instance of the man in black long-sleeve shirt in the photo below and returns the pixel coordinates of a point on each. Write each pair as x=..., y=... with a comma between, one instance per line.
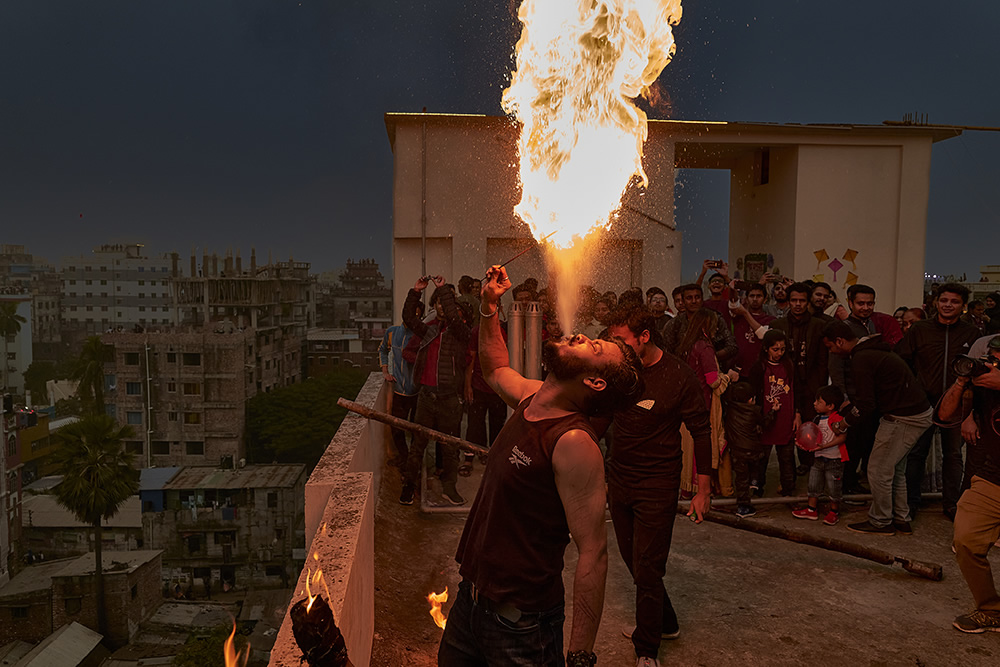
x=644, y=473
x=885, y=385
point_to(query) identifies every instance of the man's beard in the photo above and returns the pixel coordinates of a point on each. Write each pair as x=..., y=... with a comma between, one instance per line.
x=563, y=367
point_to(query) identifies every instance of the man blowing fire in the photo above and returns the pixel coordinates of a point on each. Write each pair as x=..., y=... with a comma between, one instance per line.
x=544, y=482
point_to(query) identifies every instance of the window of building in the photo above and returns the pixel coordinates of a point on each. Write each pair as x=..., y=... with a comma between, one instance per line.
x=104, y=309
x=118, y=288
x=352, y=305
x=72, y=282
x=133, y=388
x=142, y=295
x=142, y=309
x=134, y=418
x=134, y=446
x=171, y=416
x=194, y=448
x=160, y=447
x=131, y=358
x=322, y=361
x=272, y=499
x=194, y=544
x=90, y=295
x=192, y=389
x=171, y=357
x=267, y=364
x=191, y=418
x=135, y=591
x=225, y=537
x=104, y=282
x=142, y=282
x=104, y=269
x=12, y=356
x=142, y=269
x=18, y=613
x=73, y=605
x=191, y=359
x=273, y=570
x=88, y=282
x=171, y=387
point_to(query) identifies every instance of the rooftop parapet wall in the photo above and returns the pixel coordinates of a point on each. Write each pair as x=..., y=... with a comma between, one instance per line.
x=340, y=499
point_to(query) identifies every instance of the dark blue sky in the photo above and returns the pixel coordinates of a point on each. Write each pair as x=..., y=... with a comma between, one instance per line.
x=238, y=123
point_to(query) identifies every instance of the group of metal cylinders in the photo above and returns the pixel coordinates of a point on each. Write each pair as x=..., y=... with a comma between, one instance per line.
x=524, y=338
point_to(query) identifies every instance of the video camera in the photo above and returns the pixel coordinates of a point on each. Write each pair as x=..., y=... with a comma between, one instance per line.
x=968, y=367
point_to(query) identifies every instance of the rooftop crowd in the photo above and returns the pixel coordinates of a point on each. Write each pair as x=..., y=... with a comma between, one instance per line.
x=847, y=398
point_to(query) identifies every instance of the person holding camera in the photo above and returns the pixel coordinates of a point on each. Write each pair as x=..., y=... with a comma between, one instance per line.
x=977, y=517
x=929, y=347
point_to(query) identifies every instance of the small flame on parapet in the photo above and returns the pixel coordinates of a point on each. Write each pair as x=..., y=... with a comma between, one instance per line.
x=233, y=657
x=436, y=600
x=311, y=580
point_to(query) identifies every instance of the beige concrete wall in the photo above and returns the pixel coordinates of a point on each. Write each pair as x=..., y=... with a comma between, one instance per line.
x=340, y=499
x=471, y=191
x=762, y=217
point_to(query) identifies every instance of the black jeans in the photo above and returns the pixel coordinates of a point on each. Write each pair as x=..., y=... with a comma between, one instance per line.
x=485, y=404
x=403, y=407
x=745, y=469
x=860, y=439
x=441, y=412
x=786, y=467
x=952, y=467
x=644, y=523
x=482, y=633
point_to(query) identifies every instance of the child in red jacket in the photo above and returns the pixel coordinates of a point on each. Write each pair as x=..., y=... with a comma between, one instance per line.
x=828, y=465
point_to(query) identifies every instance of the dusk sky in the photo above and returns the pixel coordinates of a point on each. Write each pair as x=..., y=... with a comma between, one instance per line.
x=235, y=123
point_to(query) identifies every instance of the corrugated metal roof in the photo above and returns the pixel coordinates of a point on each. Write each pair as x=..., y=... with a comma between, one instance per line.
x=56, y=424
x=44, y=483
x=250, y=477
x=153, y=479
x=111, y=560
x=44, y=511
x=66, y=647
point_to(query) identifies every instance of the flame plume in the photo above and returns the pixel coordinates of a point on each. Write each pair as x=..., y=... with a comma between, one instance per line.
x=436, y=600
x=233, y=657
x=580, y=63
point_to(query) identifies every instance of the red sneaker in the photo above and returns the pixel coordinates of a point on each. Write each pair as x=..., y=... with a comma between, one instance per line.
x=831, y=518
x=806, y=513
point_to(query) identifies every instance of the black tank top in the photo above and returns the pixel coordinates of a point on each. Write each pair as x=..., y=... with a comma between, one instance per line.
x=514, y=540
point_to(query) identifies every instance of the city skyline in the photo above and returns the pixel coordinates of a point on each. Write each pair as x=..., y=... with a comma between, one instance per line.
x=260, y=123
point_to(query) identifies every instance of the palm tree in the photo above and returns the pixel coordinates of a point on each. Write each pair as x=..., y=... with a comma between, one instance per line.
x=98, y=478
x=88, y=370
x=10, y=325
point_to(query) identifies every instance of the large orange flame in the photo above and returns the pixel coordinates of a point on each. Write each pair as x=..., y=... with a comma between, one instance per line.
x=233, y=657
x=313, y=579
x=436, y=600
x=579, y=66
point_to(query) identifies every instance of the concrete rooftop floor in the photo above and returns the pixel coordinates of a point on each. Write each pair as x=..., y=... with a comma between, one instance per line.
x=742, y=599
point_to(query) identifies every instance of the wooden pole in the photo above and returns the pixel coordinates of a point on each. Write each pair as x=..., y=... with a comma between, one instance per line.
x=410, y=426
x=927, y=570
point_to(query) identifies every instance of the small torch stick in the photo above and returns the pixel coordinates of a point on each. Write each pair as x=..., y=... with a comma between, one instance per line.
x=317, y=634
x=544, y=238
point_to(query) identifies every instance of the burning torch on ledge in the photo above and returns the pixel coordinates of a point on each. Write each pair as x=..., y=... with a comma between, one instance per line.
x=315, y=629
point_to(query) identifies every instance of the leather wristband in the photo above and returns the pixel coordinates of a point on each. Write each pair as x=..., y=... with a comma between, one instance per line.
x=581, y=659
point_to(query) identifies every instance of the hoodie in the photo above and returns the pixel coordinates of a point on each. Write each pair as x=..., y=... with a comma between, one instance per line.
x=883, y=383
x=929, y=347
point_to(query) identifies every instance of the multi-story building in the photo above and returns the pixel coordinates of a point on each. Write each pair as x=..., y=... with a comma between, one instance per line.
x=116, y=286
x=185, y=393
x=237, y=527
x=22, y=272
x=353, y=312
x=19, y=354
x=47, y=596
x=276, y=301
x=51, y=531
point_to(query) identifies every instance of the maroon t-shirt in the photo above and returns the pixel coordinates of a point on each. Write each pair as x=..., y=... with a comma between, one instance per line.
x=748, y=342
x=778, y=398
x=514, y=540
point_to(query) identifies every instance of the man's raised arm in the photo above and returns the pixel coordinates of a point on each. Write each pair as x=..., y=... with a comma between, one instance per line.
x=510, y=385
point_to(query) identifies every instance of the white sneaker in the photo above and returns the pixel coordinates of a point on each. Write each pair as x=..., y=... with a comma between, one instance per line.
x=647, y=662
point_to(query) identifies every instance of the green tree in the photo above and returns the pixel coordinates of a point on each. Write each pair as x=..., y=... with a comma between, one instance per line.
x=206, y=650
x=35, y=377
x=294, y=424
x=10, y=325
x=98, y=478
x=88, y=370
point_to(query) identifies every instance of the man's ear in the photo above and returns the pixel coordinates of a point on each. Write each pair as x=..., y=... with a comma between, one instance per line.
x=644, y=336
x=595, y=383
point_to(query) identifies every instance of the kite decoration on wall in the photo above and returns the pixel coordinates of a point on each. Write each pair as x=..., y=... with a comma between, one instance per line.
x=851, y=256
x=852, y=279
x=835, y=265
x=821, y=256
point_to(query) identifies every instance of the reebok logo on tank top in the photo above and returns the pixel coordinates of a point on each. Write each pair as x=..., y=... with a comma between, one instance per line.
x=519, y=458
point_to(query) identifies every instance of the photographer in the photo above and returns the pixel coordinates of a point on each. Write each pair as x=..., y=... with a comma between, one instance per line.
x=977, y=520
